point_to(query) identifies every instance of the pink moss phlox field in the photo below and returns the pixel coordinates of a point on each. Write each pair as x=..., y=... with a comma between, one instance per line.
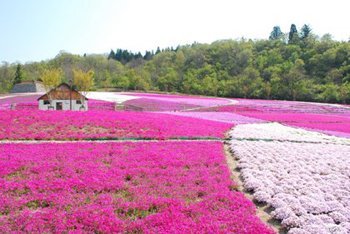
x=163, y=95
x=310, y=121
x=100, y=105
x=184, y=100
x=154, y=187
x=26, y=106
x=225, y=117
x=19, y=102
x=294, y=107
x=5, y=106
x=326, y=118
x=68, y=125
x=19, y=99
x=148, y=104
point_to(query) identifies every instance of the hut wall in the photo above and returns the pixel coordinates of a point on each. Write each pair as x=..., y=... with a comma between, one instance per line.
x=76, y=106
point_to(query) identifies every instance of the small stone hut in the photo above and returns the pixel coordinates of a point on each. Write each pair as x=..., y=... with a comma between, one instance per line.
x=28, y=87
x=63, y=97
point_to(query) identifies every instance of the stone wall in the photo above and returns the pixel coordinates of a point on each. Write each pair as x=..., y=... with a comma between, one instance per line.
x=40, y=87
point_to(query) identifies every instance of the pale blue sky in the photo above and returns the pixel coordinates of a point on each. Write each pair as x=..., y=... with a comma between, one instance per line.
x=34, y=30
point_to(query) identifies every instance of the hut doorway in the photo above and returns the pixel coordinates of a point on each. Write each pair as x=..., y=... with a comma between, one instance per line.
x=59, y=106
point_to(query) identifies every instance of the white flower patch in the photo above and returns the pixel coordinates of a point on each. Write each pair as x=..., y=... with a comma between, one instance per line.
x=279, y=132
x=110, y=96
x=304, y=176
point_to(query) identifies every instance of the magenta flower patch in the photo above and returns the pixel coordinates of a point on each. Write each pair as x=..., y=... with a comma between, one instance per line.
x=154, y=187
x=73, y=125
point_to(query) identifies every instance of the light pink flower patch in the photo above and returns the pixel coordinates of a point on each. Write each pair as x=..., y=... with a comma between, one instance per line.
x=176, y=187
x=184, y=99
x=225, y=117
x=20, y=99
x=98, y=105
x=320, y=122
x=325, y=118
x=151, y=104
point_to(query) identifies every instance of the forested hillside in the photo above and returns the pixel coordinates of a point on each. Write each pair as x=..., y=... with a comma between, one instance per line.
x=293, y=66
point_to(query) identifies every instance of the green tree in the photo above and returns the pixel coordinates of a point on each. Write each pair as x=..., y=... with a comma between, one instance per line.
x=305, y=32
x=293, y=37
x=278, y=90
x=6, y=77
x=83, y=81
x=210, y=86
x=330, y=93
x=251, y=83
x=122, y=82
x=334, y=76
x=136, y=81
x=111, y=55
x=51, y=78
x=276, y=33
x=169, y=81
x=294, y=77
x=106, y=81
x=18, y=75
x=344, y=93
x=191, y=84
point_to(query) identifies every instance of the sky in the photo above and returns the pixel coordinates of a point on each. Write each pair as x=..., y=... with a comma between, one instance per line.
x=35, y=30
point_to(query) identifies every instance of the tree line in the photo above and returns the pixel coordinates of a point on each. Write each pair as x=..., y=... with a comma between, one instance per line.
x=297, y=65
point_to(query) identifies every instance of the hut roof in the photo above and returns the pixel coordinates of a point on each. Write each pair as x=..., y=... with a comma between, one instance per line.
x=28, y=87
x=62, y=92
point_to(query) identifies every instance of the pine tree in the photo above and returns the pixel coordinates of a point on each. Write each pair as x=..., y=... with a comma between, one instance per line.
x=276, y=33
x=111, y=55
x=18, y=75
x=148, y=55
x=118, y=55
x=305, y=32
x=293, y=35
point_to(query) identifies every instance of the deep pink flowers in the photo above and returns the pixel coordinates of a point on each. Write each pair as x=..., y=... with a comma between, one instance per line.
x=43, y=125
x=154, y=187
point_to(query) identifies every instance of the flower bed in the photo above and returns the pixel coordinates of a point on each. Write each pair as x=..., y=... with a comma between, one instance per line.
x=5, y=106
x=164, y=95
x=68, y=125
x=279, y=132
x=310, y=121
x=26, y=106
x=22, y=102
x=98, y=105
x=148, y=104
x=326, y=118
x=303, y=175
x=183, y=99
x=294, y=107
x=225, y=117
x=163, y=187
x=20, y=99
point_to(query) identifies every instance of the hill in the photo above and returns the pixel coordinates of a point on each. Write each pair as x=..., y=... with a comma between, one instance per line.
x=307, y=69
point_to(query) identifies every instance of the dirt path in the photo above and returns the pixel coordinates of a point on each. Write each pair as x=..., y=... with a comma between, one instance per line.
x=263, y=210
x=108, y=141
